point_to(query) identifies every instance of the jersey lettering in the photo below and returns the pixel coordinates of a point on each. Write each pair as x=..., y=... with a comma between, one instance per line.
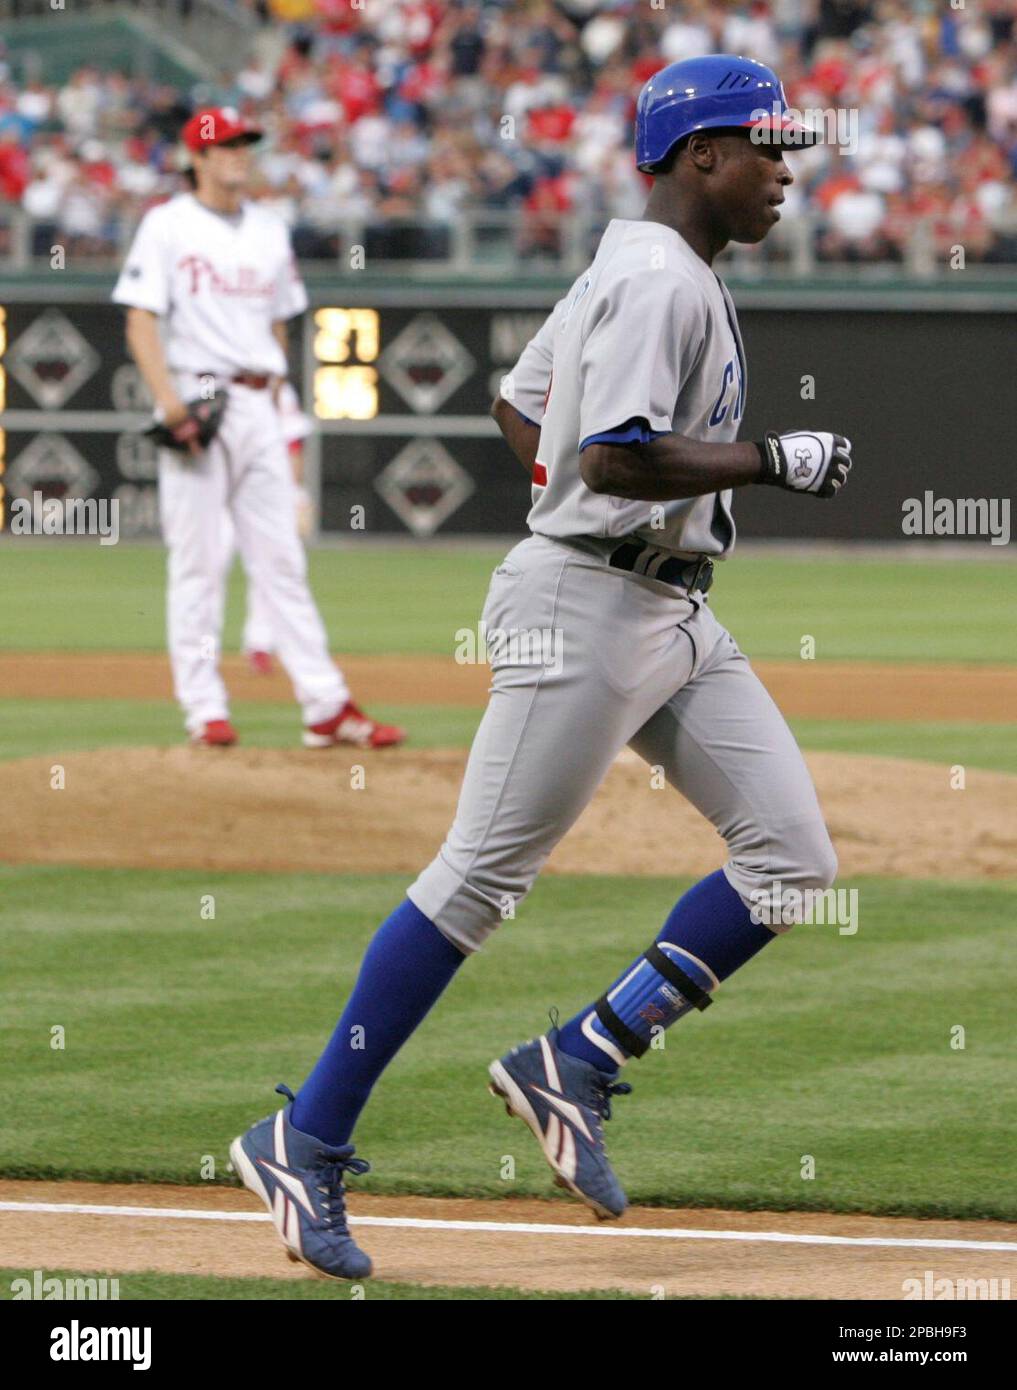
x=719, y=414
x=245, y=282
x=732, y=377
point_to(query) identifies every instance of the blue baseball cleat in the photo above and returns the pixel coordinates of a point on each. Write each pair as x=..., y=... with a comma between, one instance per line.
x=565, y=1102
x=300, y=1180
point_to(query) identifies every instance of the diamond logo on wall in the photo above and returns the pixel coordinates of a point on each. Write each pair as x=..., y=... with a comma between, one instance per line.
x=425, y=364
x=424, y=485
x=52, y=466
x=51, y=359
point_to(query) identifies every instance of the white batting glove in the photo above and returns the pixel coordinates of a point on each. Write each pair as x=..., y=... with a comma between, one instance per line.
x=806, y=461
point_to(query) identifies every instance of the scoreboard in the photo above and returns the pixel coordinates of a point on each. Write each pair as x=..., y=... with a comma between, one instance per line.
x=72, y=405
x=402, y=397
x=399, y=396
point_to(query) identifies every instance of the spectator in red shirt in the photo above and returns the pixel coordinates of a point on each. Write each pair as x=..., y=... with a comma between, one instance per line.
x=355, y=86
x=15, y=170
x=550, y=125
x=549, y=199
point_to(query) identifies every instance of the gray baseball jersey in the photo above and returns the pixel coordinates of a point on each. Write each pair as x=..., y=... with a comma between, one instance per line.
x=646, y=342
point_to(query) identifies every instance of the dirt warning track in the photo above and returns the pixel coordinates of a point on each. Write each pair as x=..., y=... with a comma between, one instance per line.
x=802, y=689
x=528, y=1244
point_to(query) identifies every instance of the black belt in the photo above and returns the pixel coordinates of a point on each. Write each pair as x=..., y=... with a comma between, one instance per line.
x=257, y=381
x=691, y=575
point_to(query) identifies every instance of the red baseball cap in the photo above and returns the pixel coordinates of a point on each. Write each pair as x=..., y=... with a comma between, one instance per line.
x=215, y=124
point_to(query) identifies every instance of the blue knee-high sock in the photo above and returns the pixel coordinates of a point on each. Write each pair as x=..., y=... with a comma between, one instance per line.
x=708, y=935
x=404, y=970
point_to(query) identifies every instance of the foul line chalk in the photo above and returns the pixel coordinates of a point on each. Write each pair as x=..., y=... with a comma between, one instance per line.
x=524, y=1227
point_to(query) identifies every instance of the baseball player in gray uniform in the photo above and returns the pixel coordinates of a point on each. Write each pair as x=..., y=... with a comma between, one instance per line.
x=625, y=409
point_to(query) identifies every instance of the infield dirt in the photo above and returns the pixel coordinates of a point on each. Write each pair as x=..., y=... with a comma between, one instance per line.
x=343, y=811
x=802, y=689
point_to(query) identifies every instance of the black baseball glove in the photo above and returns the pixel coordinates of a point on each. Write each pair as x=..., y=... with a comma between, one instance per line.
x=196, y=431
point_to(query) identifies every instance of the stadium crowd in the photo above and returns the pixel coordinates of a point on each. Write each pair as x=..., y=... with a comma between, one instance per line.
x=404, y=115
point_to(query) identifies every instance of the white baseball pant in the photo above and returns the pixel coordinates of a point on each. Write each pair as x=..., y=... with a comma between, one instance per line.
x=244, y=470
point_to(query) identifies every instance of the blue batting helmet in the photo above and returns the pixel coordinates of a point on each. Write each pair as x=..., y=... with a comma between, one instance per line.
x=712, y=93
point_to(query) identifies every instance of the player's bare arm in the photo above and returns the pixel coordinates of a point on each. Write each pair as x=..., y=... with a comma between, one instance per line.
x=297, y=464
x=519, y=405
x=146, y=348
x=281, y=333
x=521, y=435
x=674, y=467
x=668, y=468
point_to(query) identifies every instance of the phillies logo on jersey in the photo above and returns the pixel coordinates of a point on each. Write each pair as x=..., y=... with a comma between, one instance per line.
x=244, y=283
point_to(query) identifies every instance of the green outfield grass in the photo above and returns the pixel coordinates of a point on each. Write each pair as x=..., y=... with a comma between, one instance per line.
x=44, y=727
x=413, y=598
x=190, y=1287
x=50, y=726
x=990, y=746
x=177, y=1029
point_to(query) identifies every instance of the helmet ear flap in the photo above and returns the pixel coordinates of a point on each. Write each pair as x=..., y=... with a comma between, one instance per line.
x=666, y=165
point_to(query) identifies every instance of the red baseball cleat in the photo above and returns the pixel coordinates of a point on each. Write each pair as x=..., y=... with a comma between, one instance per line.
x=261, y=663
x=352, y=725
x=217, y=733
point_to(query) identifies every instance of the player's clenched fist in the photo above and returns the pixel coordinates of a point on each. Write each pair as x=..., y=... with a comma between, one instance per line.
x=806, y=461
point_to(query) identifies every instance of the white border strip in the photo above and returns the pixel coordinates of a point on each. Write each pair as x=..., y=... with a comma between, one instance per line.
x=522, y=1227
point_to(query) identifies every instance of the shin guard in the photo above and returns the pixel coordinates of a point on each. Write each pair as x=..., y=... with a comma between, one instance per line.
x=661, y=987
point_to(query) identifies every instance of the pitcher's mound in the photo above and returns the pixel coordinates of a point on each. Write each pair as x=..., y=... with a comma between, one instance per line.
x=351, y=812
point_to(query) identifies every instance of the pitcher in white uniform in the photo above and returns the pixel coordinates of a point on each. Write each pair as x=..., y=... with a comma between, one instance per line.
x=215, y=272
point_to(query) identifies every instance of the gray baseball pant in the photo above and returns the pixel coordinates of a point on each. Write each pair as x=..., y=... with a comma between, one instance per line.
x=625, y=660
